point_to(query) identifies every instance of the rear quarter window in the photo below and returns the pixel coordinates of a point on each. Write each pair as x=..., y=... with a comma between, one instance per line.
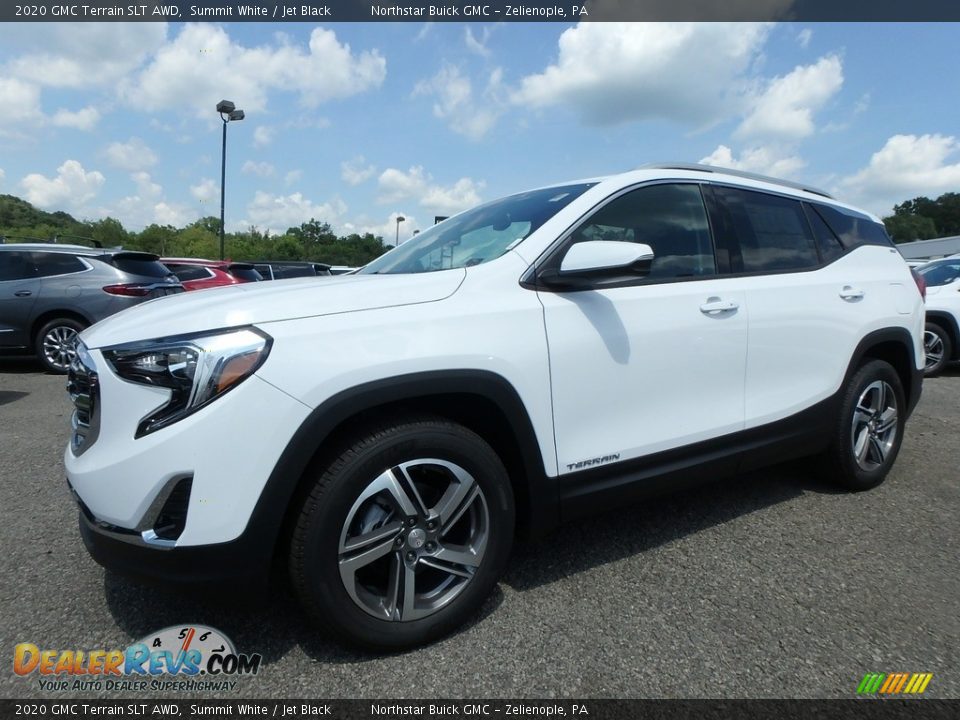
x=853, y=229
x=140, y=265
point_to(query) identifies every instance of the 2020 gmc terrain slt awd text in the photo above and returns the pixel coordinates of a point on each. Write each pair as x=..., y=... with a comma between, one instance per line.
x=522, y=363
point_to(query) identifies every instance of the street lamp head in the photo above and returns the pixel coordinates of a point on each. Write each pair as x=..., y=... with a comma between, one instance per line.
x=400, y=219
x=237, y=115
x=225, y=107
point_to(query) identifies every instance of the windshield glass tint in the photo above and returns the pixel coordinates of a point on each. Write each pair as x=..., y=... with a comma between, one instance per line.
x=478, y=235
x=941, y=273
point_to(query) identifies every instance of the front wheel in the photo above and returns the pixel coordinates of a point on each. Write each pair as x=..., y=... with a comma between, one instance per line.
x=870, y=428
x=55, y=344
x=404, y=534
x=936, y=347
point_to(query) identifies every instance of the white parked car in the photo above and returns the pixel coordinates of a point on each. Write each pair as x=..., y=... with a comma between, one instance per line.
x=941, y=336
x=385, y=435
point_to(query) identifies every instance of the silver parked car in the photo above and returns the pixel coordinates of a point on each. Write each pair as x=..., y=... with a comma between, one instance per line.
x=49, y=293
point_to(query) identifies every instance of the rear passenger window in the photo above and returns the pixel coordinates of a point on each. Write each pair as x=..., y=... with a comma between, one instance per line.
x=828, y=244
x=771, y=231
x=49, y=264
x=670, y=219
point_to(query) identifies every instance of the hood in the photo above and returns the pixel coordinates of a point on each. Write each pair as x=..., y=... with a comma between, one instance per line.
x=261, y=302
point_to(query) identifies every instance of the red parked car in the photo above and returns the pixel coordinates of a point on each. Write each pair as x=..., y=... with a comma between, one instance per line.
x=197, y=274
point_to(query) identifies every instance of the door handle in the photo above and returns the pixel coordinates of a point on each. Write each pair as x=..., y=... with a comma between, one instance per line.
x=716, y=306
x=22, y=293
x=848, y=292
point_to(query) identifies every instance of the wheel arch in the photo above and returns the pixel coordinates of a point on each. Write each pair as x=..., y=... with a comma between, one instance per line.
x=48, y=315
x=949, y=323
x=480, y=400
x=894, y=346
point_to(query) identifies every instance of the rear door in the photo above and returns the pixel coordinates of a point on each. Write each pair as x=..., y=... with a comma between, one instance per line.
x=810, y=301
x=19, y=288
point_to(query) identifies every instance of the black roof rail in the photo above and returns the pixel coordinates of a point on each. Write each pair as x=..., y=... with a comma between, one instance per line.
x=699, y=167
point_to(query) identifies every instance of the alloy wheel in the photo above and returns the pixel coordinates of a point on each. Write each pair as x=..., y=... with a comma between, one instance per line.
x=59, y=346
x=413, y=539
x=875, y=425
x=933, y=349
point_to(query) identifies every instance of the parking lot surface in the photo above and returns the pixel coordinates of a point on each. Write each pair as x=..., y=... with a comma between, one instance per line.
x=768, y=585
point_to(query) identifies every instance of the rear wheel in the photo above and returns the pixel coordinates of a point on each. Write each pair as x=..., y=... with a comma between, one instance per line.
x=869, y=432
x=56, y=344
x=937, y=348
x=404, y=534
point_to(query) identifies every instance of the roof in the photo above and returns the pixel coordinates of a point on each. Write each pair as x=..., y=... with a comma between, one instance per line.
x=50, y=247
x=935, y=248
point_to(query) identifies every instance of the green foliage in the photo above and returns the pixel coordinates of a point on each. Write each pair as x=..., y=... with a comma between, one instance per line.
x=943, y=213
x=907, y=228
x=313, y=240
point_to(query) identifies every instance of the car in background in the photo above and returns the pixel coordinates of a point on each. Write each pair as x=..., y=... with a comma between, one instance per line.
x=197, y=274
x=49, y=293
x=284, y=269
x=941, y=337
x=342, y=269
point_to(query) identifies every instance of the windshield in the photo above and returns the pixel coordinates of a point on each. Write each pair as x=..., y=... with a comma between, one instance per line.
x=941, y=273
x=477, y=236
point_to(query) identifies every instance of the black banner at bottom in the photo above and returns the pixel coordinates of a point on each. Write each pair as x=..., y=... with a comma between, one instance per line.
x=861, y=709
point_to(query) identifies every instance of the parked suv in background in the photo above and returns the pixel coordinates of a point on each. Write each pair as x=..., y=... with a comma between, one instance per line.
x=527, y=361
x=285, y=269
x=49, y=293
x=941, y=336
x=196, y=274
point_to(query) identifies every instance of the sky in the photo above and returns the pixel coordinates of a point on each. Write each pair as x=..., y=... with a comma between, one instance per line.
x=355, y=124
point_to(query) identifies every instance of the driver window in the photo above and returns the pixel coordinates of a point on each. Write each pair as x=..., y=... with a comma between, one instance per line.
x=671, y=219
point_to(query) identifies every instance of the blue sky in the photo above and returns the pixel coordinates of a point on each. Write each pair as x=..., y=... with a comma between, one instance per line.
x=357, y=123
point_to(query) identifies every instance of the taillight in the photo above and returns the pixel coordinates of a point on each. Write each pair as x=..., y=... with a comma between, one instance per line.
x=128, y=290
x=921, y=283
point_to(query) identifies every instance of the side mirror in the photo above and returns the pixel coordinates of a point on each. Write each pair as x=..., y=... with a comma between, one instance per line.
x=587, y=263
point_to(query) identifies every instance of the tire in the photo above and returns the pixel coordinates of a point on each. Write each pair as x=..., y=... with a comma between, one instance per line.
x=54, y=344
x=937, y=347
x=869, y=430
x=419, y=500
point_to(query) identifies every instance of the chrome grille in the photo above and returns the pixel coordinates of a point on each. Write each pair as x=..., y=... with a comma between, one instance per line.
x=84, y=387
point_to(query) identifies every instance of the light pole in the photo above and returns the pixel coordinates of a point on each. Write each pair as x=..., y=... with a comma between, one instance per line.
x=400, y=219
x=228, y=113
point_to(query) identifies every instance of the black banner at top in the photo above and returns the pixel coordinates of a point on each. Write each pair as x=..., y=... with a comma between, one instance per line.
x=329, y=11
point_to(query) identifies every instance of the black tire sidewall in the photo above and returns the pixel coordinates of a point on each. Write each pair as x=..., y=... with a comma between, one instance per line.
x=852, y=475
x=316, y=572
x=947, y=348
x=42, y=333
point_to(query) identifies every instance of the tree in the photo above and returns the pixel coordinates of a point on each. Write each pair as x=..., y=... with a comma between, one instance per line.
x=906, y=228
x=944, y=212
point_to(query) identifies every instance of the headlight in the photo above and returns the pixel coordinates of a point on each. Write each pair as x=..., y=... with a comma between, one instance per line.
x=196, y=369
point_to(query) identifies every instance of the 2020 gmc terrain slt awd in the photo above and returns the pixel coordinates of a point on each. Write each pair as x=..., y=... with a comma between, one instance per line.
x=519, y=364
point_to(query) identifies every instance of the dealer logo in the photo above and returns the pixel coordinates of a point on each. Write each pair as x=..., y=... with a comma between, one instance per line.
x=179, y=650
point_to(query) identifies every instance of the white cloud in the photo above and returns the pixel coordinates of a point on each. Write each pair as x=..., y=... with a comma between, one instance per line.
x=205, y=190
x=356, y=171
x=785, y=108
x=612, y=73
x=132, y=155
x=260, y=169
x=81, y=55
x=475, y=45
x=767, y=159
x=279, y=212
x=203, y=65
x=146, y=187
x=454, y=100
x=3, y=175
x=905, y=167
x=292, y=177
x=71, y=188
x=804, y=37
x=20, y=102
x=262, y=136
x=389, y=229
x=147, y=205
x=416, y=185
x=83, y=119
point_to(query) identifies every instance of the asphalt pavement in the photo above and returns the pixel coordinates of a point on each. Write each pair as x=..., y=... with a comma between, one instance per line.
x=769, y=585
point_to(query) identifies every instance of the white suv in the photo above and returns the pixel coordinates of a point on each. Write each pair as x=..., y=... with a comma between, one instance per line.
x=385, y=435
x=941, y=337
